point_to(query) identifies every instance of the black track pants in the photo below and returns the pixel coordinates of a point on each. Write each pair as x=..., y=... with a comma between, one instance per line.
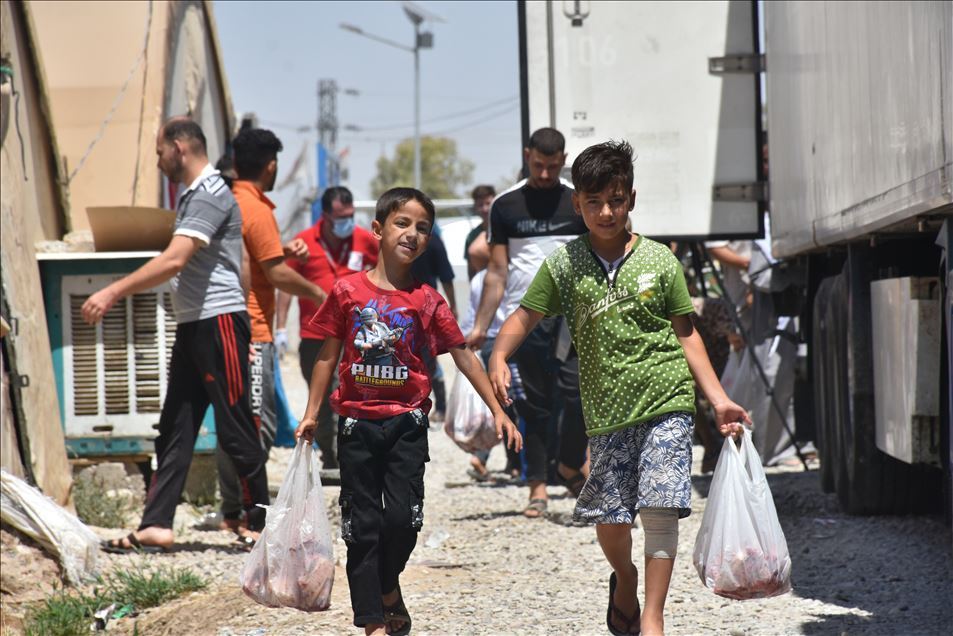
x=552, y=391
x=209, y=365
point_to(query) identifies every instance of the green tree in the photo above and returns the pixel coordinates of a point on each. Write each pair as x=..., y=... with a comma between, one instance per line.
x=442, y=171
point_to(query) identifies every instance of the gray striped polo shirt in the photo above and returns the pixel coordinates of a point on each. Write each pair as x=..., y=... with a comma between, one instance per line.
x=210, y=283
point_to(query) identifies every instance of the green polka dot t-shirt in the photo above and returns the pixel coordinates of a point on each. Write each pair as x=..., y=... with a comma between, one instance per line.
x=631, y=365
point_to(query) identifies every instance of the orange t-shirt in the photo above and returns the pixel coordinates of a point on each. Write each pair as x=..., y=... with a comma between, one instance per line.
x=263, y=242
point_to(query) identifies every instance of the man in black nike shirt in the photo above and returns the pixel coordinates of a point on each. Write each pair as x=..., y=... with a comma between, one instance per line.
x=527, y=223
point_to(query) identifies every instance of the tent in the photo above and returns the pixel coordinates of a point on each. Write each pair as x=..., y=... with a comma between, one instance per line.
x=86, y=86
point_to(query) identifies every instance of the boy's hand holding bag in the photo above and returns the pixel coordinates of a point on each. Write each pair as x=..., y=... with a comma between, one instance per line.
x=292, y=564
x=469, y=422
x=740, y=550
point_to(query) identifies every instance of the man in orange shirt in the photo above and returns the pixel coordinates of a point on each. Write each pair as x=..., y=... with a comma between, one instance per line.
x=336, y=248
x=256, y=164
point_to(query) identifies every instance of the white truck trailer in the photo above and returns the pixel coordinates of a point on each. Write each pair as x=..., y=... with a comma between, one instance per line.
x=860, y=114
x=859, y=99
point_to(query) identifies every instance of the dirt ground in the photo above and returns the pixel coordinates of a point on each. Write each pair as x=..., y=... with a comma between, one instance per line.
x=480, y=567
x=27, y=575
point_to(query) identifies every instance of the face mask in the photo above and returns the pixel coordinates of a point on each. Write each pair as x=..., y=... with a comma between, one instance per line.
x=343, y=228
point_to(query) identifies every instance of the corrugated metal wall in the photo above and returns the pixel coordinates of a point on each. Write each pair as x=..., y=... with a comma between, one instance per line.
x=859, y=99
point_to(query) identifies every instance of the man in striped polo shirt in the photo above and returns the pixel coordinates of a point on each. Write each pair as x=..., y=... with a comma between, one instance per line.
x=210, y=356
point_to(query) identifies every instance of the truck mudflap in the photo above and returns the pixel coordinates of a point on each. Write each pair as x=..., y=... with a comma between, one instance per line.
x=866, y=480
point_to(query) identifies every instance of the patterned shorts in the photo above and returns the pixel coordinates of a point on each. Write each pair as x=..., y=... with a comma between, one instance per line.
x=643, y=466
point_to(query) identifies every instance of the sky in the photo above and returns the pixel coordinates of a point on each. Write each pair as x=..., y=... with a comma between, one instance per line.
x=275, y=53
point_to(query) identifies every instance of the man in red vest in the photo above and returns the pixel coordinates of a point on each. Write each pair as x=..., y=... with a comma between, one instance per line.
x=336, y=248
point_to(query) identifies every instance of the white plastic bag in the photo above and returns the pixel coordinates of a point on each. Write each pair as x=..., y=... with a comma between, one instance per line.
x=292, y=564
x=740, y=551
x=730, y=375
x=469, y=423
x=43, y=520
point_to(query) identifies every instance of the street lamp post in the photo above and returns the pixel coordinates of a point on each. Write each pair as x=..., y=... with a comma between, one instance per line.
x=421, y=41
x=416, y=99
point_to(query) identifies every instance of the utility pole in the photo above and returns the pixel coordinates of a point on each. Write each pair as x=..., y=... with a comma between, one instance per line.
x=422, y=40
x=328, y=124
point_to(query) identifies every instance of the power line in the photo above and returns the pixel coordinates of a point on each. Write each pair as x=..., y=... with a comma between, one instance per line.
x=471, y=124
x=477, y=121
x=302, y=128
x=461, y=113
x=428, y=97
x=308, y=128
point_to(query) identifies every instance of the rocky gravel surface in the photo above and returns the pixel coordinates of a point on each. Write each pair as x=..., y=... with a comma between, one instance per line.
x=480, y=567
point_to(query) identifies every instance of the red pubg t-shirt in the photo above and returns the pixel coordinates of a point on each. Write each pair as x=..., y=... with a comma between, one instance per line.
x=388, y=336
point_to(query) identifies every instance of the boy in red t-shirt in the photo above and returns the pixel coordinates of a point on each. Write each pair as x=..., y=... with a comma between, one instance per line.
x=388, y=325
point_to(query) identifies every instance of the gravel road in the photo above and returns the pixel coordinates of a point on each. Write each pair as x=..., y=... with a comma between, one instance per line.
x=481, y=568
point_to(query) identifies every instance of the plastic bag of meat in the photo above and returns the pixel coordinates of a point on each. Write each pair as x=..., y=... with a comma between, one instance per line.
x=292, y=564
x=469, y=423
x=740, y=550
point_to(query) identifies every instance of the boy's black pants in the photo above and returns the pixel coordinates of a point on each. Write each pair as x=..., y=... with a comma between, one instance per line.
x=209, y=365
x=382, y=499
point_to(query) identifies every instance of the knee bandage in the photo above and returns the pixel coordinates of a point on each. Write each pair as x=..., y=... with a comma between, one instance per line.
x=661, y=532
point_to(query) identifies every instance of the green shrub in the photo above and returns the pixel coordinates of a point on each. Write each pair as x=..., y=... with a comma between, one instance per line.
x=97, y=508
x=144, y=588
x=69, y=614
x=62, y=614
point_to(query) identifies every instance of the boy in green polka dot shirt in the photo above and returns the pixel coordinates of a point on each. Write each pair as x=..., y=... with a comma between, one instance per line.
x=628, y=309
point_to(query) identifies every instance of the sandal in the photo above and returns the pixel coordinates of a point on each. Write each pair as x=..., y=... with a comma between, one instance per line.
x=245, y=540
x=628, y=621
x=537, y=507
x=116, y=546
x=573, y=484
x=398, y=612
x=477, y=476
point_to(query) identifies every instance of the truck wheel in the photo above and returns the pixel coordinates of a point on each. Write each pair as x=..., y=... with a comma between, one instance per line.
x=823, y=353
x=838, y=408
x=946, y=424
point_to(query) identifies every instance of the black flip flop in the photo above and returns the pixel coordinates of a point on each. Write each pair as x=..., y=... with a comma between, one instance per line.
x=573, y=484
x=398, y=612
x=628, y=620
x=115, y=546
x=245, y=542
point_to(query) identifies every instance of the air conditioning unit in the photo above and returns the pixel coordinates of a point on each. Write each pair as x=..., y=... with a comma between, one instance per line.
x=115, y=372
x=111, y=377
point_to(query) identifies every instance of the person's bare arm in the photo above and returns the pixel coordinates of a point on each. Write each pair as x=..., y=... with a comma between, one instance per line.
x=289, y=281
x=478, y=255
x=324, y=369
x=727, y=256
x=728, y=415
x=470, y=367
x=512, y=334
x=281, y=314
x=155, y=272
x=246, y=272
x=494, y=283
x=451, y=297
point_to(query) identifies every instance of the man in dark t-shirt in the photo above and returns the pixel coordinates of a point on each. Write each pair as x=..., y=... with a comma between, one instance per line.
x=527, y=223
x=476, y=249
